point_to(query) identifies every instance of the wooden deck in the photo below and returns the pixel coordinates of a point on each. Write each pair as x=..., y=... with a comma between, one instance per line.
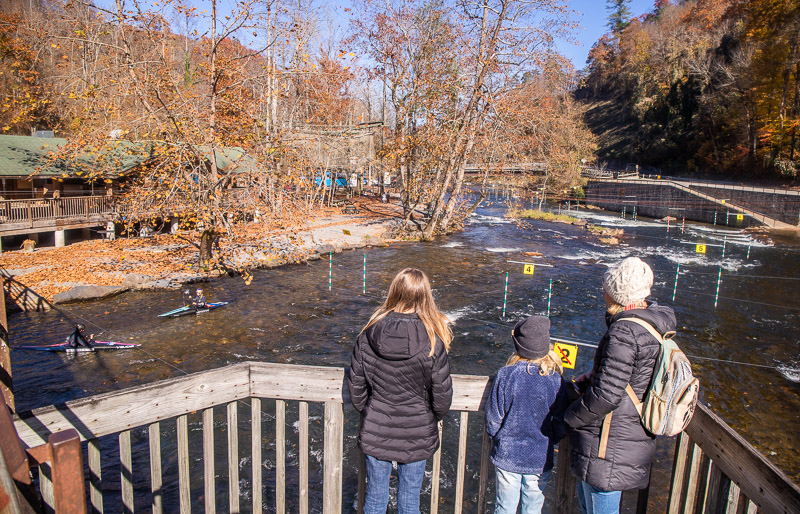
x=42, y=215
x=715, y=470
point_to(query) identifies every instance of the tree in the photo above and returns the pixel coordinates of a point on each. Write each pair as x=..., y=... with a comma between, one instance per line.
x=619, y=15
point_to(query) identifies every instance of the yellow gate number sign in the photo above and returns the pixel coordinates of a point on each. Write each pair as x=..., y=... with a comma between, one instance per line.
x=568, y=354
x=739, y=217
x=346, y=232
x=528, y=269
x=700, y=249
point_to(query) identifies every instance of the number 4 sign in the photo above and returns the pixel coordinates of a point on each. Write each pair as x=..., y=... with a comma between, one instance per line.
x=568, y=354
x=528, y=269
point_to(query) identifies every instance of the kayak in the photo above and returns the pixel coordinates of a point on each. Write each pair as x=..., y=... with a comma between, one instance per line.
x=97, y=345
x=186, y=310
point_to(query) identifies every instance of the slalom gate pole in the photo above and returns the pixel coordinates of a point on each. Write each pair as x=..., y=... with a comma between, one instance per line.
x=364, y=282
x=330, y=270
x=505, y=297
x=549, y=296
x=749, y=242
x=667, y=223
x=724, y=240
x=683, y=224
x=715, y=218
x=675, y=289
x=719, y=280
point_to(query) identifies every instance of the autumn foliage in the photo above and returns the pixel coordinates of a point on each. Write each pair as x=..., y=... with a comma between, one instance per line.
x=243, y=111
x=706, y=86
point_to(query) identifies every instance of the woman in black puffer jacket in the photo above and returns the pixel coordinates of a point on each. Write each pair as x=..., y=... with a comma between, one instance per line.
x=626, y=354
x=400, y=383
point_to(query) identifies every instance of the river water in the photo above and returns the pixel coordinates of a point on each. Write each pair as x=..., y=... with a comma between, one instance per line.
x=744, y=350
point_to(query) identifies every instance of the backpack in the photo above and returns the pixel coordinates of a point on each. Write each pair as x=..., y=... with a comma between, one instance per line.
x=671, y=397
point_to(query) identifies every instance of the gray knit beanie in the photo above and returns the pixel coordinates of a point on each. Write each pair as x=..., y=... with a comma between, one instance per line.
x=629, y=281
x=532, y=337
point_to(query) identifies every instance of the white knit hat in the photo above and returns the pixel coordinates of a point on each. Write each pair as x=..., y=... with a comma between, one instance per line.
x=629, y=281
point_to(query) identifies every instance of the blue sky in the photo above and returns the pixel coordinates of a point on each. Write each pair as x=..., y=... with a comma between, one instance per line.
x=591, y=15
x=593, y=18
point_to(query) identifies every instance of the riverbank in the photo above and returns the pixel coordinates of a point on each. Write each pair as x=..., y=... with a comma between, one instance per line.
x=98, y=268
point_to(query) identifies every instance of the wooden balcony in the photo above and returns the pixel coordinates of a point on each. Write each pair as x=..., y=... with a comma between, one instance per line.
x=41, y=215
x=146, y=429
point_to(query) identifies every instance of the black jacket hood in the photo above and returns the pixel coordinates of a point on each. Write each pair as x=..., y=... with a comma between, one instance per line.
x=398, y=336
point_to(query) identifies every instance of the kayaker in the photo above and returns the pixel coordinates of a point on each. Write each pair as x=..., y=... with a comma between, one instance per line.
x=78, y=338
x=198, y=301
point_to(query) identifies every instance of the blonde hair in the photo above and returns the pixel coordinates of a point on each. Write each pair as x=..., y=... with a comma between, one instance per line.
x=411, y=291
x=548, y=364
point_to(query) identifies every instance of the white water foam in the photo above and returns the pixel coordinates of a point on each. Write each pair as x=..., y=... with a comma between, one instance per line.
x=459, y=313
x=606, y=257
x=606, y=220
x=503, y=250
x=489, y=220
x=453, y=244
x=790, y=372
x=733, y=237
x=685, y=258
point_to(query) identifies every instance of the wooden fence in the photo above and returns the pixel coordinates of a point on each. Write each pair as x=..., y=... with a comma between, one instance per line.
x=715, y=470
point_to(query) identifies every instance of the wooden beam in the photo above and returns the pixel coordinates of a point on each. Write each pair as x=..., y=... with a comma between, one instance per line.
x=6, y=386
x=114, y=412
x=758, y=478
x=332, y=455
x=304, y=383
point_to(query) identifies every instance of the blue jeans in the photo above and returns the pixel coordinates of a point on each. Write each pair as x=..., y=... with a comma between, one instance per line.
x=595, y=501
x=509, y=485
x=409, y=483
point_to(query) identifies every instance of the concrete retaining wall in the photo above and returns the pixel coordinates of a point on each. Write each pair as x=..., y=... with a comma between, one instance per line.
x=656, y=200
x=783, y=206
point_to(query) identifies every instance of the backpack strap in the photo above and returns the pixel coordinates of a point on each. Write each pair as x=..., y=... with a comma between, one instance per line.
x=660, y=339
x=604, y=430
x=634, y=399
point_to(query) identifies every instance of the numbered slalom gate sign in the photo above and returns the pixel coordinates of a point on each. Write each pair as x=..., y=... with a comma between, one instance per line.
x=528, y=269
x=700, y=248
x=568, y=353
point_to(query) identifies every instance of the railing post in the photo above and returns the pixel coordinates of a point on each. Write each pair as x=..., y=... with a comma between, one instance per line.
x=565, y=481
x=67, y=469
x=334, y=443
x=5, y=351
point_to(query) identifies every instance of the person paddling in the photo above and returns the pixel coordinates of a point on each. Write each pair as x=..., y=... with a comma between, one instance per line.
x=78, y=338
x=198, y=301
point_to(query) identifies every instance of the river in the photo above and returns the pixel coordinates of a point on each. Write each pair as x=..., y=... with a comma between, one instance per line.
x=744, y=350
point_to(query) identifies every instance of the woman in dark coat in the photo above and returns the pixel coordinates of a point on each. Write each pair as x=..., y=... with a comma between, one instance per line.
x=626, y=354
x=400, y=383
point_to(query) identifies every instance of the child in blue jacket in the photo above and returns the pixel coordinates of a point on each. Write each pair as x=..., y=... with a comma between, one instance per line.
x=524, y=417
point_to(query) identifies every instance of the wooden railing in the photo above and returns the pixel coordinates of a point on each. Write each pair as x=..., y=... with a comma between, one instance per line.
x=38, y=214
x=714, y=468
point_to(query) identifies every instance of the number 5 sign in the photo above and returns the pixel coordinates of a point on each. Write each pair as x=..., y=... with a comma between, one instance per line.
x=700, y=248
x=568, y=354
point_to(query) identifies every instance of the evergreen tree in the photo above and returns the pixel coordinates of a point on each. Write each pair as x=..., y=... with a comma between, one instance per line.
x=619, y=16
